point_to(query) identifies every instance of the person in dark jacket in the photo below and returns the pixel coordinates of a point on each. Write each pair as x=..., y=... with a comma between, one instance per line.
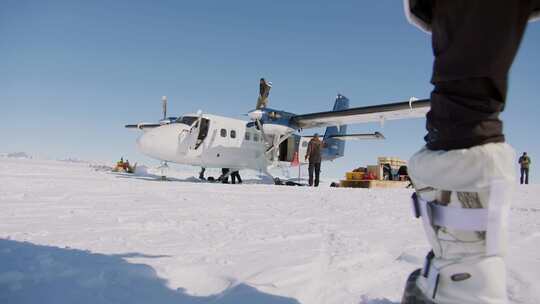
x=313, y=154
x=524, y=162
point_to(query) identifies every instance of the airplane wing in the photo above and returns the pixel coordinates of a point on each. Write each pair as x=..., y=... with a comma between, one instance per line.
x=377, y=113
x=143, y=125
x=356, y=136
x=149, y=125
x=375, y=135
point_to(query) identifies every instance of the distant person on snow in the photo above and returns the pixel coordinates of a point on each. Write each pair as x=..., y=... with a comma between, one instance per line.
x=264, y=92
x=524, y=162
x=125, y=165
x=313, y=154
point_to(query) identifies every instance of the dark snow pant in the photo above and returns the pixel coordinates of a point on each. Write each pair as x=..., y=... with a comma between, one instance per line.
x=474, y=44
x=201, y=174
x=224, y=173
x=317, y=168
x=524, y=173
x=234, y=176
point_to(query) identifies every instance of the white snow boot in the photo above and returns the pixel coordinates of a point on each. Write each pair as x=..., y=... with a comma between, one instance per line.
x=462, y=197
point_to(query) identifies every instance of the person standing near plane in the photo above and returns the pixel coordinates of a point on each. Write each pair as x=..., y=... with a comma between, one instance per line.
x=313, y=154
x=224, y=177
x=524, y=162
x=264, y=92
x=236, y=176
x=201, y=173
x=464, y=173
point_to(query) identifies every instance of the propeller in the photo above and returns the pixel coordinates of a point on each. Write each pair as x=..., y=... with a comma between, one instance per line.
x=165, y=120
x=164, y=106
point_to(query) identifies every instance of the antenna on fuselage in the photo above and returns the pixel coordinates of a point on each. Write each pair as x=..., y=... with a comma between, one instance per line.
x=164, y=105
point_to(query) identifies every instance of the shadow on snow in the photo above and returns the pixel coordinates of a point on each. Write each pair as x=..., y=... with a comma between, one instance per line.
x=263, y=180
x=32, y=273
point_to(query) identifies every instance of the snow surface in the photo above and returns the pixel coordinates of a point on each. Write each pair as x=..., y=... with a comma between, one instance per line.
x=73, y=233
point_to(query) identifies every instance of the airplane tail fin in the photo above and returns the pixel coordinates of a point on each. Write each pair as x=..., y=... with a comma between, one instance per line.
x=335, y=147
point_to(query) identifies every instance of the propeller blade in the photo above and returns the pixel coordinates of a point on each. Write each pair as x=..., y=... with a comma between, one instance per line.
x=164, y=105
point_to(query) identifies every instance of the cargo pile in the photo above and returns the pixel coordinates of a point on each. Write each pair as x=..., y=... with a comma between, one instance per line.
x=390, y=172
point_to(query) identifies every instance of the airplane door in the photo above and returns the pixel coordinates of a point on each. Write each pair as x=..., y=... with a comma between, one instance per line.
x=189, y=141
x=193, y=135
x=204, y=126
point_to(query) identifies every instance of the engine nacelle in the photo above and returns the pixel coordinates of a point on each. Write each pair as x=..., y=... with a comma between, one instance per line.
x=256, y=115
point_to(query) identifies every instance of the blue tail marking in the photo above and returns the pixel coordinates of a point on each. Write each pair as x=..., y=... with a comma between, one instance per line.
x=335, y=148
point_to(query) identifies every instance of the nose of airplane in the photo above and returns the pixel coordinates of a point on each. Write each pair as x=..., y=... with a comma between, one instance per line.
x=160, y=143
x=146, y=143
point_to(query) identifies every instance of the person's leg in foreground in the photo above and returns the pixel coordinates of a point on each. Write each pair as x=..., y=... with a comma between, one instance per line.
x=463, y=175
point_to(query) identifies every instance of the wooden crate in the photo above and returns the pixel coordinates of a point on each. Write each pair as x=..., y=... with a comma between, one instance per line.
x=373, y=184
x=354, y=176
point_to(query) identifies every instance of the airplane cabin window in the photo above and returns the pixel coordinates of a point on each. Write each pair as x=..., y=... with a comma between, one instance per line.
x=247, y=136
x=233, y=133
x=223, y=133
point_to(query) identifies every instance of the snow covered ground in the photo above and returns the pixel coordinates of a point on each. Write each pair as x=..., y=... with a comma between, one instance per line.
x=72, y=234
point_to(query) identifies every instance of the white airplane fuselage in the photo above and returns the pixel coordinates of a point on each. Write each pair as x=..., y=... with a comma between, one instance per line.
x=211, y=141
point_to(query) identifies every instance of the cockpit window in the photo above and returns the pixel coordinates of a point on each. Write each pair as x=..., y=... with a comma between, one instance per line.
x=187, y=120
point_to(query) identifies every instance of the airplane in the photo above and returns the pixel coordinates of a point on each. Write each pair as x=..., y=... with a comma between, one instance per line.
x=268, y=140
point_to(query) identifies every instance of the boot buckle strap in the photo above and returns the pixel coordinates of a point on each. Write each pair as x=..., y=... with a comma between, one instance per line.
x=450, y=217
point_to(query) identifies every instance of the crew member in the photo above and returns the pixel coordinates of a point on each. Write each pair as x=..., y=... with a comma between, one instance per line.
x=313, y=154
x=465, y=163
x=236, y=176
x=201, y=173
x=224, y=178
x=524, y=162
x=264, y=92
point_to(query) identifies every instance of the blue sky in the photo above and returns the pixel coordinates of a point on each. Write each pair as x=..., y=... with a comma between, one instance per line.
x=72, y=73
